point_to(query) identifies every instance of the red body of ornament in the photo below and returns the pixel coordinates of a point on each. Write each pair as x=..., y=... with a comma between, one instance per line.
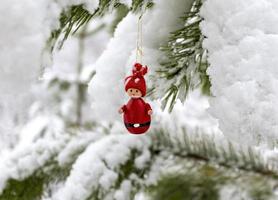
x=136, y=117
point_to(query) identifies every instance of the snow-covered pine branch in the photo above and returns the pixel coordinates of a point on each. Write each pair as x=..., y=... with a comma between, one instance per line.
x=108, y=169
x=185, y=67
x=242, y=43
x=76, y=14
x=119, y=166
x=60, y=157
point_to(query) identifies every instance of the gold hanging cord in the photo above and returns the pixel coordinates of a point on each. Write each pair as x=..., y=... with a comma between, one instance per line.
x=139, y=40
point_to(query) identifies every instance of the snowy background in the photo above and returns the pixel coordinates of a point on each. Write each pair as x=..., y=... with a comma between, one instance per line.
x=40, y=100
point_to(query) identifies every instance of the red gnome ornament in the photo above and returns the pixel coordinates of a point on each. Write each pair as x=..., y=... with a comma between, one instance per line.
x=137, y=113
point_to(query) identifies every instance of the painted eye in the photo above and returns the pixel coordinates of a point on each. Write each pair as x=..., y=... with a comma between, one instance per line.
x=136, y=91
x=130, y=90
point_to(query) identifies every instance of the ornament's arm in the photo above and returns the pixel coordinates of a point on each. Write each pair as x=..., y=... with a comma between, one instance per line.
x=148, y=109
x=122, y=109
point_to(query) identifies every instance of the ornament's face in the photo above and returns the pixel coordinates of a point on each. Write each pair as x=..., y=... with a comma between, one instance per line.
x=134, y=93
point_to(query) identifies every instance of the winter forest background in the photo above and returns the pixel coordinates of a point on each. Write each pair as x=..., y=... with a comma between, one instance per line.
x=212, y=85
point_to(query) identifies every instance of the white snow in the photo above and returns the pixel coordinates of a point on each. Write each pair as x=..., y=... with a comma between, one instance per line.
x=77, y=144
x=141, y=161
x=191, y=114
x=108, y=179
x=242, y=40
x=124, y=192
x=32, y=154
x=242, y=51
x=25, y=26
x=127, y=2
x=98, y=165
x=233, y=192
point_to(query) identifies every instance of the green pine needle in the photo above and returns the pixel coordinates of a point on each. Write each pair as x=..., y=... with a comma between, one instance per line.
x=186, y=63
x=76, y=17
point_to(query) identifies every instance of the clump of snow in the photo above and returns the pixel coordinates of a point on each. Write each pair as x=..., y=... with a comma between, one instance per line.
x=233, y=192
x=141, y=161
x=76, y=146
x=108, y=179
x=242, y=42
x=159, y=164
x=190, y=114
x=127, y=2
x=124, y=192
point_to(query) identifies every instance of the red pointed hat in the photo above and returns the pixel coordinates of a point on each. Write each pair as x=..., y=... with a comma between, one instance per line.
x=136, y=80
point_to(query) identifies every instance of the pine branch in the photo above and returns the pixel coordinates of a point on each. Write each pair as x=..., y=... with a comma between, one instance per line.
x=203, y=181
x=203, y=169
x=70, y=21
x=121, y=12
x=203, y=147
x=186, y=63
x=75, y=17
x=35, y=185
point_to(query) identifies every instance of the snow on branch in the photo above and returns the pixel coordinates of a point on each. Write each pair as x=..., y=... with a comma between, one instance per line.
x=110, y=164
x=33, y=152
x=242, y=41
